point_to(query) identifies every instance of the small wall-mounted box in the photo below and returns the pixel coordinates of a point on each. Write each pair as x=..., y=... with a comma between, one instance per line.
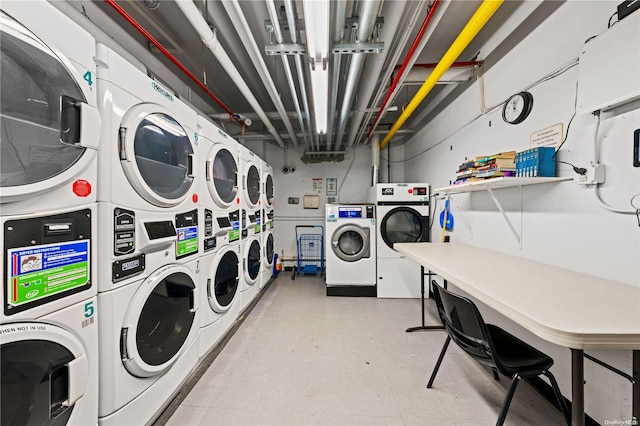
x=294, y=200
x=311, y=201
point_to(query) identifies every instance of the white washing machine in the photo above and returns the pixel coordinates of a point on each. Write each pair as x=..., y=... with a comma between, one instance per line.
x=250, y=227
x=219, y=292
x=350, y=249
x=50, y=121
x=402, y=217
x=148, y=140
x=148, y=343
x=266, y=218
x=219, y=200
x=49, y=372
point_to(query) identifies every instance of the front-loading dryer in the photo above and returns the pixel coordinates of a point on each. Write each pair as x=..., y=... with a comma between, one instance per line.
x=266, y=218
x=49, y=367
x=148, y=343
x=219, y=292
x=251, y=250
x=50, y=119
x=148, y=140
x=402, y=217
x=350, y=250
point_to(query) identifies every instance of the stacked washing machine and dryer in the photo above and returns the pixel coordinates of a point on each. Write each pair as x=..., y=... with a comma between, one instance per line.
x=266, y=271
x=250, y=228
x=402, y=217
x=148, y=270
x=220, y=226
x=49, y=141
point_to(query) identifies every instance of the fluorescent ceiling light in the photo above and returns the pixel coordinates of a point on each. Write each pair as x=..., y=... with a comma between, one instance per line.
x=316, y=21
x=320, y=91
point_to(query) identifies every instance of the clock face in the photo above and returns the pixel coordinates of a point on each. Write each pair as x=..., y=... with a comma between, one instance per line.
x=517, y=108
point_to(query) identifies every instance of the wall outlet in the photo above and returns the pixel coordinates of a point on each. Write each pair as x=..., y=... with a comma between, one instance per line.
x=594, y=175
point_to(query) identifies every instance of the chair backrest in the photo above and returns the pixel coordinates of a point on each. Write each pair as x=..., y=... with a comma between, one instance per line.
x=464, y=324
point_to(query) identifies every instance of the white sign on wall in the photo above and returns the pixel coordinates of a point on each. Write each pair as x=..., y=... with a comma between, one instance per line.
x=551, y=136
x=317, y=185
x=332, y=187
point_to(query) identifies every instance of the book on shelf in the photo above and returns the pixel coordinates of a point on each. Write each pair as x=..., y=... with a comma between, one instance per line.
x=468, y=180
x=501, y=155
x=496, y=173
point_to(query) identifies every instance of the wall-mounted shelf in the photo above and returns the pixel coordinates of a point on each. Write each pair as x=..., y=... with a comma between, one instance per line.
x=497, y=183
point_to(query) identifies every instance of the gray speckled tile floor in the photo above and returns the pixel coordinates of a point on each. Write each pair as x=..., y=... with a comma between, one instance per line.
x=302, y=358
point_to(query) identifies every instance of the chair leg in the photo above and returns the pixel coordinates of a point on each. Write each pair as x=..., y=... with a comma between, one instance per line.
x=495, y=374
x=559, y=397
x=507, y=399
x=435, y=369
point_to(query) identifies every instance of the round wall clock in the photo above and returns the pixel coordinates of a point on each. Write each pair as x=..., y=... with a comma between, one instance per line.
x=517, y=108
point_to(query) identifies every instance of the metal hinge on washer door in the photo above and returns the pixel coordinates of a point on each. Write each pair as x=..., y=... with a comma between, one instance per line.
x=190, y=173
x=122, y=135
x=124, y=356
x=207, y=173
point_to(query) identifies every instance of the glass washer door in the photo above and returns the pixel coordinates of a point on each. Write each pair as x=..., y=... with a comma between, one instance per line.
x=225, y=280
x=221, y=173
x=162, y=315
x=351, y=242
x=252, y=186
x=252, y=261
x=268, y=189
x=158, y=155
x=39, y=369
x=403, y=225
x=268, y=250
x=44, y=113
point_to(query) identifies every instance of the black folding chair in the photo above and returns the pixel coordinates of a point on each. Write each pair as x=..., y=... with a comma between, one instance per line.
x=491, y=346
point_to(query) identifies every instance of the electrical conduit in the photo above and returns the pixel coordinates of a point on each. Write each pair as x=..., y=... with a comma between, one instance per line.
x=210, y=40
x=473, y=27
x=248, y=41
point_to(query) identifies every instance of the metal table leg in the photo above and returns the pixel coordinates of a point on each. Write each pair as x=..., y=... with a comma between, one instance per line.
x=635, y=407
x=577, y=387
x=424, y=327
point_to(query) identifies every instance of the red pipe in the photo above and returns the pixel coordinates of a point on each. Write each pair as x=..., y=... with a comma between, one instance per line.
x=413, y=48
x=172, y=58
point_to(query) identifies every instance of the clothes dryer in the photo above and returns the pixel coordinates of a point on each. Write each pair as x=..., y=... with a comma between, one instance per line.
x=219, y=292
x=49, y=367
x=148, y=343
x=148, y=140
x=350, y=250
x=266, y=218
x=50, y=120
x=402, y=217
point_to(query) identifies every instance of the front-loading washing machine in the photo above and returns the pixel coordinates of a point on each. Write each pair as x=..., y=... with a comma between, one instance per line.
x=402, y=217
x=219, y=292
x=350, y=249
x=50, y=119
x=49, y=367
x=266, y=218
x=148, y=343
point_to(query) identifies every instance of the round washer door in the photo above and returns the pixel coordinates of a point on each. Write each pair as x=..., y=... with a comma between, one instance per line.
x=45, y=140
x=159, y=321
x=268, y=250
x=44, y=372
x=403, y=225
x=351, y=242
x=268, y=189
x=252, y=185
x=221, y=290
x=158, y=155
x=251, y=265
x=221, y=174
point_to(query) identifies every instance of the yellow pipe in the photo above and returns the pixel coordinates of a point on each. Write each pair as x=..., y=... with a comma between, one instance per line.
x=473, y=27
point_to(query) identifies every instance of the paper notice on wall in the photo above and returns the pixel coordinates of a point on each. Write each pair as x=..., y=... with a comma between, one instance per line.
x=332, y=187
x=317, y=185
x=551, y=136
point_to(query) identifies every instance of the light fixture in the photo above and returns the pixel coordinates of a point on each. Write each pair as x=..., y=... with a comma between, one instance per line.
x=316, y=21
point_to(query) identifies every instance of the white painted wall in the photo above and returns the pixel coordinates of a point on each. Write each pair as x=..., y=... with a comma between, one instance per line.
x=354, y=179
x=560, y=223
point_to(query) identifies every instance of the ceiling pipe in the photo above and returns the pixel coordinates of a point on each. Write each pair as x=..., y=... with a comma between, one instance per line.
x=290, y=9
x=468, y=33
x=210, y=40
x=275, y=22
x=337, y=35
x=422, y=42
x=367, y=20
x=375, y=64
x=172, y=58
x=248, y=41
x=410, y=54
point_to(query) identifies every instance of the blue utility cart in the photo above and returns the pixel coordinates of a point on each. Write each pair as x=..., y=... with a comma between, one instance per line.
x=310, y=246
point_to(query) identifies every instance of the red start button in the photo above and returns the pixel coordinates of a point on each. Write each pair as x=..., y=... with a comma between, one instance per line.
x=410, y=191
x=237, y=200
x=194, y=198
x=82, y=188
